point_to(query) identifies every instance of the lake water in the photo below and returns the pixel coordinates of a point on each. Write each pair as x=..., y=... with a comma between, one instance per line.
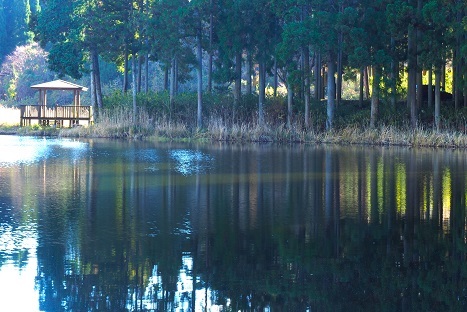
x=109, y=225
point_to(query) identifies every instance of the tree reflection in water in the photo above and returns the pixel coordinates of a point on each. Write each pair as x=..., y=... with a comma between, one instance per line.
x=285, y=228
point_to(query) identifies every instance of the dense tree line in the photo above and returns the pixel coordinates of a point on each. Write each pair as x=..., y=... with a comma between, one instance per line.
x=308, y=45
x=14, y=19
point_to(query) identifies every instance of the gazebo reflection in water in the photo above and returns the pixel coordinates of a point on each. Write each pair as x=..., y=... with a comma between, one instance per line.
x=58, y=116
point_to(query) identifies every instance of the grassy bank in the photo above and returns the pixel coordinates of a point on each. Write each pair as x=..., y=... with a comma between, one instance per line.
x=159, y=121
x=119, y=125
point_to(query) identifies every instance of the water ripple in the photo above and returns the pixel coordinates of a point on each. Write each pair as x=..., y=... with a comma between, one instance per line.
x=190, y=161
x=14, y=240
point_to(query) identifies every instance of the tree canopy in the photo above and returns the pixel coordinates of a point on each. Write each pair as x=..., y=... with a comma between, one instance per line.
x=318, y=40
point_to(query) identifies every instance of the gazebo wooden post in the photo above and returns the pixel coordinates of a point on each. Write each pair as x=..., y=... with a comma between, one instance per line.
x=44, y=106
x=41, y=105
x=69, y=113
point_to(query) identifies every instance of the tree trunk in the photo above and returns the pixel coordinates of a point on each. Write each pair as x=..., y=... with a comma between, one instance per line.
x=419, y=89
x=339, y=71
x=375, y=96
x=238, y=77
x=437, y=97
x=166, y=78
x=172, y=85
x=289, y=101
x=318, y=87
x=93, y=92
x=146, y=75
x=249, y=64
x=210, y=73
x=199, y=70
x=465, y=93
x=134, y=86
x=262, y=87
x=418, y=34
x=412, y=76
x=463, y=67
x=362, y=83
x=443, y=76
x=331, y=93
x=455, y=76
x=275, y=85
x=125, y=71
x=366, y=82
x=140, y=72
x=430, y=89
x=394, y=76
x=97, y=78
x=306, y=56
x=210, y=48
x=175, y=76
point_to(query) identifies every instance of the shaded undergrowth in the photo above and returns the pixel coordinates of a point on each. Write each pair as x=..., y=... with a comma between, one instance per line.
x=158, y=119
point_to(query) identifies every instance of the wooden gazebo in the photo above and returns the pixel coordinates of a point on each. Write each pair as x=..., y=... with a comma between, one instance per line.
x=58, y=116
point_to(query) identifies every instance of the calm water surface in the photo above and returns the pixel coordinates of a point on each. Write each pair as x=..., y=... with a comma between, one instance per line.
x=89, y=225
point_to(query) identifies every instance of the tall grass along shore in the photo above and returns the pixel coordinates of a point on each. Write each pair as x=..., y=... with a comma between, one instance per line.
x=158, y=121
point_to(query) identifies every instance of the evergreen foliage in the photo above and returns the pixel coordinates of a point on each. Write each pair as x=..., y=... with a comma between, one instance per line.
x=294, y=40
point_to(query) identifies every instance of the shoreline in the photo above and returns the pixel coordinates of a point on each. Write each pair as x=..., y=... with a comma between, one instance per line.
x=382, y=136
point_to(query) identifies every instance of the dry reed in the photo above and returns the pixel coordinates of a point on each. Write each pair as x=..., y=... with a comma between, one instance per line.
x=120, y=123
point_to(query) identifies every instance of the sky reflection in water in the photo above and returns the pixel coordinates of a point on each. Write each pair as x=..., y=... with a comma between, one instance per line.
x=27, y=150
x=18, y=241
x=18, y=268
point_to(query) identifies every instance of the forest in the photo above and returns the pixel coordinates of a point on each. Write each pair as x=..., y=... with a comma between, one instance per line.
x=279, y=61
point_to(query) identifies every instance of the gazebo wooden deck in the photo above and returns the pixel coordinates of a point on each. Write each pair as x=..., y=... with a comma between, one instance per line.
x=58, y=116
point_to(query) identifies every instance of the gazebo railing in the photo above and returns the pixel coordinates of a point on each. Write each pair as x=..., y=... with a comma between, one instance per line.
x=55, y=115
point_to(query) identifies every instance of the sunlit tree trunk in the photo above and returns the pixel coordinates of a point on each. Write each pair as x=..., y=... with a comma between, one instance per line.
x=375, y=96
x=430, y=88
x=437, y=97
x=134, y=84
x=366, y=82
x=443, y=76
x=362, y=81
